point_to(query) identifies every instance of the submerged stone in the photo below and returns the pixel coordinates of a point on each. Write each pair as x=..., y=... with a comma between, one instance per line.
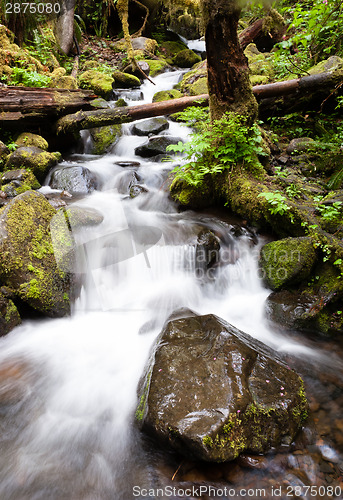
x=211, y=391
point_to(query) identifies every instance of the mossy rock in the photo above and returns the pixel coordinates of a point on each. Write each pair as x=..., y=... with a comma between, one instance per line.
x=15, y=182
x=199, y=71
x=186, y=58
x=100, y=103
x=199, y=87
x=166, y=95
x=34, y=159
x=27, y=262
x=125, y=80
x=260, y=64
x=211, y=391
x=144, y=44
x=170, y=49
x=100, y=83
x=104, y=137
x=287, y=262
x=156, y=66
x=4, y=152
x=332, y=64
x=90, y=65
x=9, y=315
x=11, y=55
x=29, y=139
x=63, y=82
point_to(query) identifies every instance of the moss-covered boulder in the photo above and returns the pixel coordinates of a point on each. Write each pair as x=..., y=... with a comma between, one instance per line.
x=29, y=139
x=100, y=83
x=156, y=66
x=332, y=64
x=315, y=306
x=125, y=80
x=34, y=159
x=166, y=95
x=15, y=182
x=212, y=392
x=260, y=65
x=169, y=49
x=11, y=55
x=300, y=145
x=4, y=152
x=199, y=72
x=186, y=58
x=60, y=80
x=145, y=44
x=27, y=262
x=104, y=137
x=287, y=262
x=9, y=315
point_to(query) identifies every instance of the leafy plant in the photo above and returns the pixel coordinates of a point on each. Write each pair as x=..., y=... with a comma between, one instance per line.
x=293, y=191
x=29, y=78
x=281, y=173
x=277, y=203
x=217, y=146
x=332, y=212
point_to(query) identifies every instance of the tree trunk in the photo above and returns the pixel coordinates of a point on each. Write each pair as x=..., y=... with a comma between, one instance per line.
x=64, y=29
x=227, y=67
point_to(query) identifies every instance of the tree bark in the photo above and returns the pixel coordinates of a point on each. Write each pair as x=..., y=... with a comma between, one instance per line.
x=64, y=29
x=227, y=67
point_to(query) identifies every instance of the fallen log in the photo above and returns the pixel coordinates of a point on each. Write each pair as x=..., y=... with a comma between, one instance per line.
x=99, y=118
x=29, y=104
x=108, y=116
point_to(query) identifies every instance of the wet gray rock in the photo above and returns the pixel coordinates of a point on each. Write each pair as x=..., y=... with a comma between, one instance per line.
x=152, y=126
x=137, y=190
x=126, y=181
x=211, y=391
x=75, y=180
x=206, y=253
x=156, y=146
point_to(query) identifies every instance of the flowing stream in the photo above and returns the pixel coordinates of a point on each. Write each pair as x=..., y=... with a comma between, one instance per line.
x=68, y=386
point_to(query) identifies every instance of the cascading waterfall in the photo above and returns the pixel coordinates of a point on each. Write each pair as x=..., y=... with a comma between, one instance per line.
x=67, y=431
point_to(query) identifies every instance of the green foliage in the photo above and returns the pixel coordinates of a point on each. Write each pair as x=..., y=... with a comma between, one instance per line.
x=26, y=78
x=217, y=146
x=331, y=213
x=312, y=35
x=293, y=191
x=281, y=173
x=276, y=201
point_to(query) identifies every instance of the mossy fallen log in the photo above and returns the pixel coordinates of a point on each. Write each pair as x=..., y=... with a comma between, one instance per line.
x=99, y=118
x=29, y=104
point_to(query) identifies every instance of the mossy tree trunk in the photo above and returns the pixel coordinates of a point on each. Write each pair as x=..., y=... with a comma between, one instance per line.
x=228, y=72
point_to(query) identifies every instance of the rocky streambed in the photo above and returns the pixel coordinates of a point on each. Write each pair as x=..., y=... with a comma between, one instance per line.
x=154, y=293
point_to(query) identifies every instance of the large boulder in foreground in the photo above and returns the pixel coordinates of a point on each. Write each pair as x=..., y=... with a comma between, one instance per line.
x=212, y=391
x=27, y=261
